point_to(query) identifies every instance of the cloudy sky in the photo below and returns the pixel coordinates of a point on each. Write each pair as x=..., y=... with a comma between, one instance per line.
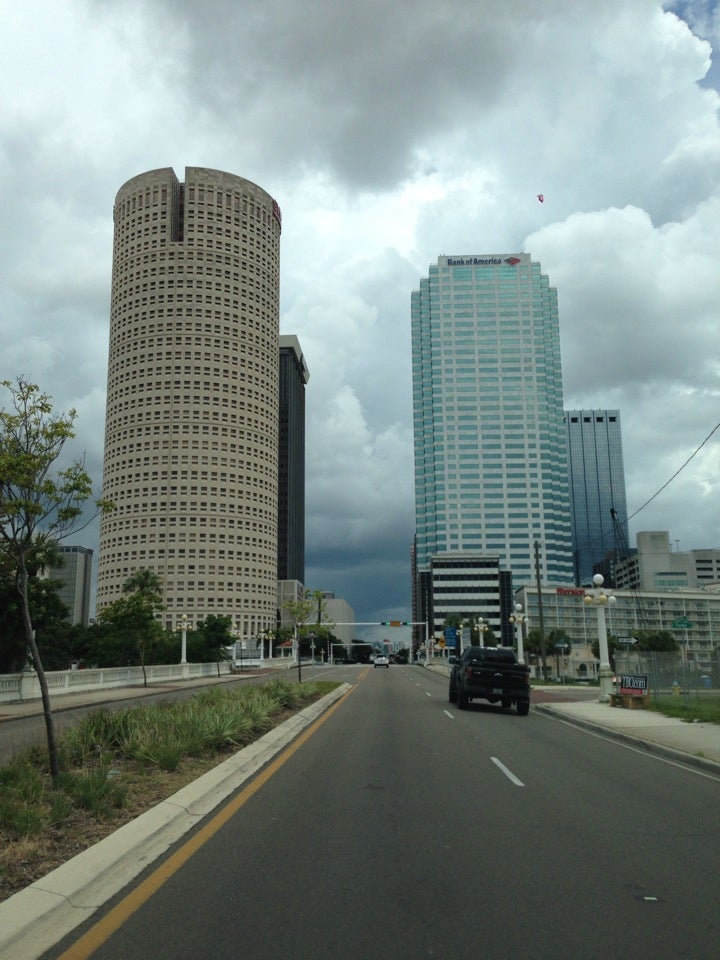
x=390, y=133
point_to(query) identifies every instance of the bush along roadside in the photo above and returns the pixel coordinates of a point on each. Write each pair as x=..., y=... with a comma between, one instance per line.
x=115, y=765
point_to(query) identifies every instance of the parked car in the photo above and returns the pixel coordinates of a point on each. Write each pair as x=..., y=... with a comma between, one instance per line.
x=381, y=660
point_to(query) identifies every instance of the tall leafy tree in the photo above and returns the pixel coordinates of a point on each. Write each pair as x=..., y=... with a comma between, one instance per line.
x=299, y=612
x=210, y=640
x=40, y=505
x=131, y=622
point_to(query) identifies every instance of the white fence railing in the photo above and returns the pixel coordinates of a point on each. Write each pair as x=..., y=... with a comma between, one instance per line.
x=25, y=685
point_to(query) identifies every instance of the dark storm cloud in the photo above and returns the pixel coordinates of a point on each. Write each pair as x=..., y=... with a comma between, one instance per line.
x=389, y=134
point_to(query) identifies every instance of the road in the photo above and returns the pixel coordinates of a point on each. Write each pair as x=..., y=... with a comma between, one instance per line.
x=403, y=828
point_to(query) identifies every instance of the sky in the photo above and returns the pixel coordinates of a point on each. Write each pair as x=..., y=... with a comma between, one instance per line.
x=390, y=134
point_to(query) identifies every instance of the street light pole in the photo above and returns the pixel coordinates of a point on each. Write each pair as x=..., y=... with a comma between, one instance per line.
x=183, y=640
x=519, y=618
x=599, y=599
x=481, y=628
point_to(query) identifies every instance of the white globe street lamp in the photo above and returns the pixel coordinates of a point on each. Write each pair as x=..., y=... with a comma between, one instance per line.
x=183, y=638
x=482, y=628
x=519, y=618
x=597, y=597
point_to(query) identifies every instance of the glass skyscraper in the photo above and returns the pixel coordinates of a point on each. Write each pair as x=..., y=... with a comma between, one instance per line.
x=491, y=474
x=597, y=487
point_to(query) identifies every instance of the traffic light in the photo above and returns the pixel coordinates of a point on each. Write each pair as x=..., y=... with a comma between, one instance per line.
x=395, y=623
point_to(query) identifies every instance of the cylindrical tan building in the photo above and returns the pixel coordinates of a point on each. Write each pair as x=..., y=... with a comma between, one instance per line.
x=191, y=433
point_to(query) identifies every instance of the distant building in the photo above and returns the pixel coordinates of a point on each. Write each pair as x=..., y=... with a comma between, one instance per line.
x=654, y=566
x=596, y=476
x=294, y=375
x=75, y=572
x=339, y=612
x=473, y=587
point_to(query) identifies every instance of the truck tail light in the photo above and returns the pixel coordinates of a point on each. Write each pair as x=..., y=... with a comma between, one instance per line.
x=468, y=672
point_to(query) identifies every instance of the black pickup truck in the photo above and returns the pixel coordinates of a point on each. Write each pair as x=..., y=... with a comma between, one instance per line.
x=490, y=673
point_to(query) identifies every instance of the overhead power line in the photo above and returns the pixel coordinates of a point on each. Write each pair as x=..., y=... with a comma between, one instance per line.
x=678, y=471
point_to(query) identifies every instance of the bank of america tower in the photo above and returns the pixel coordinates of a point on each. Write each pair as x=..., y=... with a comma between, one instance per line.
x=491, y=474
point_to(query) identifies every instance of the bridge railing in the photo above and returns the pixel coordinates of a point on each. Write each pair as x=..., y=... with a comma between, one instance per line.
x=25, y=685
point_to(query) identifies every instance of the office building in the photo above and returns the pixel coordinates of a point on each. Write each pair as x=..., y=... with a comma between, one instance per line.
x=655, y=566
x=596, y=476
x=474, y=588
x=491, y=474
x=294, y=375
x=191, y=435
x=75, y=574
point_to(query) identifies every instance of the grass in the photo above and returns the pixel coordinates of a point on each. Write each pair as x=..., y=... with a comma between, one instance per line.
x=116, y=765
x=692, y=709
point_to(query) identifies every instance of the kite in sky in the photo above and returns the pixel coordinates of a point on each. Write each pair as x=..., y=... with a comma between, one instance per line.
x=541, y=197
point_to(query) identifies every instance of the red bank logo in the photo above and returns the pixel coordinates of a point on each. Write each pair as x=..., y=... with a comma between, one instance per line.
x=513, y=261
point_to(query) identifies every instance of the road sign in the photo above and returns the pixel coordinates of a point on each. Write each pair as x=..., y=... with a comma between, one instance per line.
x=628, y=640
x=682, y=623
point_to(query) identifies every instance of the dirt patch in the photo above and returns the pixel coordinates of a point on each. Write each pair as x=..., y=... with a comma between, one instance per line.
x=27, y=859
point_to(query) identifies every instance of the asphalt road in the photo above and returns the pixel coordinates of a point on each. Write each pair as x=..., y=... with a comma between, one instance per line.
x=403, y=828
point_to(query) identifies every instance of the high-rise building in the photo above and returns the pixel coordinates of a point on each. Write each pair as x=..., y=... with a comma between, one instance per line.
x=75, y=574
x=191, y=434
x=490, y=462
x=294, y=375
x=598, y=505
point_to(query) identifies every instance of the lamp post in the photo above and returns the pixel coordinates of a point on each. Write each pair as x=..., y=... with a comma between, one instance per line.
x=183, y=638
x=519, y=618
x=597, y=597
x=482, y=628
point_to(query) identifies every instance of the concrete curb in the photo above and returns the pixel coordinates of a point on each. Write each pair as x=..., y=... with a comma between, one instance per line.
x=41, y=915
x=647, y=746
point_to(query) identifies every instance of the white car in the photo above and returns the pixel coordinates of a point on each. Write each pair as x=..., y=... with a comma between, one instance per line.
x=381, y=660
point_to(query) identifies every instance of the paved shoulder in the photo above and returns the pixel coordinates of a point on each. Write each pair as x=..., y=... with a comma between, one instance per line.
x=696, y=743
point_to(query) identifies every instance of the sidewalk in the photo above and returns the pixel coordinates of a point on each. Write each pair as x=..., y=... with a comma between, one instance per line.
x=695, y=743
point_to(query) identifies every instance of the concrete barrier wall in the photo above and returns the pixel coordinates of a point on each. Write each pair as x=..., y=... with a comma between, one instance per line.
x=25, y=685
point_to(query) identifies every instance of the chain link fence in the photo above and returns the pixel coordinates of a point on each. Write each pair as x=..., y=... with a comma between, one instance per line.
x=671, y=675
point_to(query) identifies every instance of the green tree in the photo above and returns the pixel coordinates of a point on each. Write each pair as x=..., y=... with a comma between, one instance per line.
x=49, y=616
x=557, y=642
x=147, y=583
x=661, y=641
x=209, y=641
x=321, y=630
x=299, y=612
x=534, y=645
x=133, y=633
x=40, y=505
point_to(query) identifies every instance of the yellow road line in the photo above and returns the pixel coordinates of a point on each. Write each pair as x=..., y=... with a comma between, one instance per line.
x=103, y=929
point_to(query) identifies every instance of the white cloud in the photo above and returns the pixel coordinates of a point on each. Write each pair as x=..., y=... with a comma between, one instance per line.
x=390, y=134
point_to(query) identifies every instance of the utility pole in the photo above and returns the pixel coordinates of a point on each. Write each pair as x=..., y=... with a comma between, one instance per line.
x=541, y=621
